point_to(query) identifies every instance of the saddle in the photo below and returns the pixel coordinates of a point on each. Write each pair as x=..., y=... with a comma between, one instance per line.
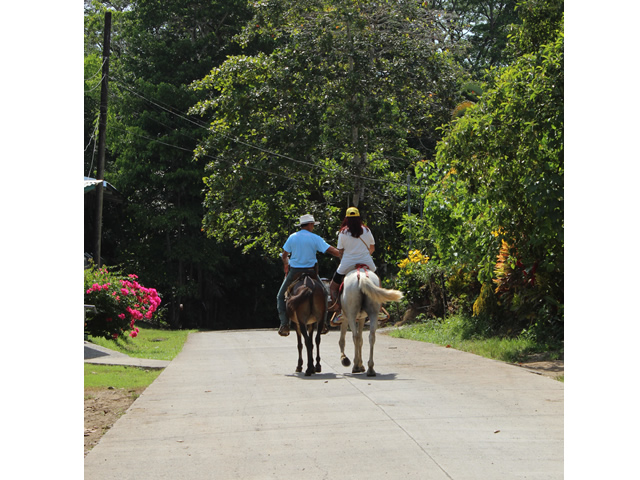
x=310, y=272
x=300, y=276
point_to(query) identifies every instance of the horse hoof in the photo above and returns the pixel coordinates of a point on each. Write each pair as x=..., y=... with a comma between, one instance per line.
x=308, y=373
x=345, y=362
x=318, y=368
x=371, y=373
x=357, y=370
x=298, y=369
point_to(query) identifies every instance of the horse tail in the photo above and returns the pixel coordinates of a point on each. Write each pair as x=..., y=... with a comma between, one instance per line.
x=378, y=294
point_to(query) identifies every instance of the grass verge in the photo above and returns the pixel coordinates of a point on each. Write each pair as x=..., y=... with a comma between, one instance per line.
x=115, y=376
x=460, y=333
x=151, y=342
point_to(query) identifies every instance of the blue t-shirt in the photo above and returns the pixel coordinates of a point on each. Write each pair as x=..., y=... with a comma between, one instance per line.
x=303, y=246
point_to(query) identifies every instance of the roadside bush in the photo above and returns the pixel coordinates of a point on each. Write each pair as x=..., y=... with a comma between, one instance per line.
x=422, y=283
x=119, y=301
x=462, y=288
x=531, y=299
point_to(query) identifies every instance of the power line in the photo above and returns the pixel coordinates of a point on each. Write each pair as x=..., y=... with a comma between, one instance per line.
x=93, y=153
x=95, y=87
x=237, y=140
x=208, y=156
x=192, y=138
x=99, y=71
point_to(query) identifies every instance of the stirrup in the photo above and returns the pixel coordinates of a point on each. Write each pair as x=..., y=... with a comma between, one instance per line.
x=325, y=328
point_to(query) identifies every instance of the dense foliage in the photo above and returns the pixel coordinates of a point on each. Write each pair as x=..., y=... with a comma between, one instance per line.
x=442, y=121
x=494, y=202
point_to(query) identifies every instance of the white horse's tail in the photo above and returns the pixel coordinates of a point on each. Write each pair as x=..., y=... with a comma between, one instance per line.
x=378, y=294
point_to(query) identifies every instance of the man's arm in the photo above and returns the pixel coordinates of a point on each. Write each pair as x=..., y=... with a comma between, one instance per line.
x=334, y=251
x=285, y=261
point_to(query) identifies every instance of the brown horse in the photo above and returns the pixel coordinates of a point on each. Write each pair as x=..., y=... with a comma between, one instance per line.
x=306, y=307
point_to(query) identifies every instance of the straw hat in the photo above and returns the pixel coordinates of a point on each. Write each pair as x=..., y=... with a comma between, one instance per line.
x=305, y=219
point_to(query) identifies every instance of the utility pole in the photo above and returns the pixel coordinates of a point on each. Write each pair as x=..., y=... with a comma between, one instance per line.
x=102, y=131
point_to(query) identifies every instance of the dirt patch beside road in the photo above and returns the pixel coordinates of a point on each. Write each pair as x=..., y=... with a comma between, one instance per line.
x=548, y=368
x=102, y=408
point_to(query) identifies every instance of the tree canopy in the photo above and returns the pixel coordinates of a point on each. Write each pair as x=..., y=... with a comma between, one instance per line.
x=348, y=95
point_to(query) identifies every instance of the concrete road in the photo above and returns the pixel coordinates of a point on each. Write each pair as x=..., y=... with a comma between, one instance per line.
x=231, y=406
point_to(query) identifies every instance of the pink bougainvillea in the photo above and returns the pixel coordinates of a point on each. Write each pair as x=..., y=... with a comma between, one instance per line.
x=119, y=302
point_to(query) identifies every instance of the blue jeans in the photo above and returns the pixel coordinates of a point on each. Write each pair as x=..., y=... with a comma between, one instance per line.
x=288, y=280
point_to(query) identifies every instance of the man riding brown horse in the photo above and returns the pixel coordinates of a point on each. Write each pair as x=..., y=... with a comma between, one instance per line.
x=299, y=256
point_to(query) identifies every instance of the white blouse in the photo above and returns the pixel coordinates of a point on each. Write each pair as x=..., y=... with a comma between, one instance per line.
x=356, y=250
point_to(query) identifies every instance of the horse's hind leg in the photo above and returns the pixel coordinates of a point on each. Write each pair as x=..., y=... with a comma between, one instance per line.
x=319, y=311
x=343, y=331
x=372, y=340
x=373, y=324
x=308, y=341
x=358, y=367
x=318, y=367
x=310, y=369
x=299, y=367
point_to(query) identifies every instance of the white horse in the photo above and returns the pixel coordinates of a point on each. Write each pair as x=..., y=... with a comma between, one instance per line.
x=362, y=297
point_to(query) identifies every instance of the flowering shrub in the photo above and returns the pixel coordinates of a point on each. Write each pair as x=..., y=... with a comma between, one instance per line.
x=119, y=300
x=421, y=283
x=412, y=276
x=415, y=258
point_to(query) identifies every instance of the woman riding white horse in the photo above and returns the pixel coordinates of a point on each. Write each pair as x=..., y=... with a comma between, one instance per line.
x=356, y=244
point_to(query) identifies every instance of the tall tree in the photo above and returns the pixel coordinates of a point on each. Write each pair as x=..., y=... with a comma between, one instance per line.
x=161, y=47
x=348, y=95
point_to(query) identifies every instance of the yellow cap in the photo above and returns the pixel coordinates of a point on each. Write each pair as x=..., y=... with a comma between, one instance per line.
x=353, y=212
